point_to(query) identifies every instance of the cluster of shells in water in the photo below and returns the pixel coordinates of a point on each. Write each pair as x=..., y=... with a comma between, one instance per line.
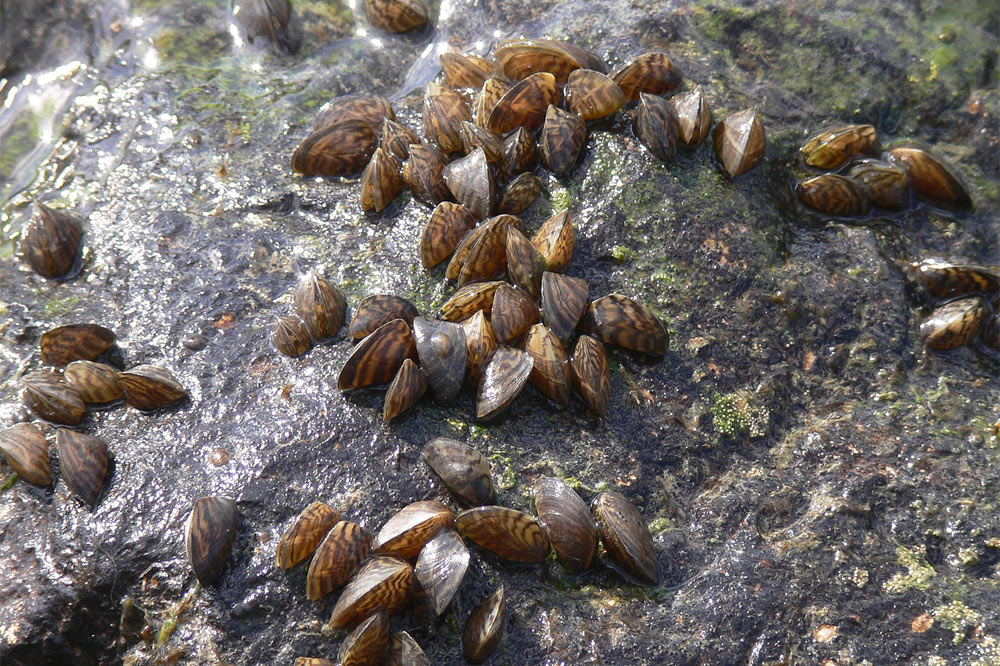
x=854, y=180
x=419, y=558
x=63, y=398
x=970, y=308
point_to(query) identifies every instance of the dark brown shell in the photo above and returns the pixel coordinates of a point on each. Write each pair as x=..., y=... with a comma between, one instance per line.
x=592, y=374
x=27, y=453
x=397, y=138
x=650, y=73
x=150, y=387
x=626, y=537
x=501, y=381
x=550, y=372
x=462, y=469
x=834, y=194
x=337, y=557
x=564, y=299
x=524, y=105
x=373, y=110
x=523, y=57
x=657, y=126
x=380, y=583
x=305, y=533
x=49, y=396
x=520, y=194
x=381, y=181
x=888, y=185
x=932, y=178
x=467, y=70
x=556, y=239
x=474, y=136
x=406, y=533
x=592, y=95
x=511, y=534
x=567, y=521
x=290, y=336
x=73, y=342
x=563, y=137
x=396, y=15
x=376, y=359
x=442, y=352
x=482, y=254
x=439, y=571
x=480, y=341
x=472, y=298
x=320, y=305
x=209, y=536
x=83, y=463
x=834, y=147
x=954, y=324
x=446, y=227
x=513, y=313
x=368, y=643
x=521, y=153
x=944, y=279
x=377, y=310
x=471, y=181
x=739, y=141
x=444, y=112
x=405, y=390
x=484, y=628
x=335, y=150
x=694, y=117
x=619, y=320
x=493, y=89
x=404, y=651
x=96, y=382
x=525, y=264
x=424, y=174
x=51, y=241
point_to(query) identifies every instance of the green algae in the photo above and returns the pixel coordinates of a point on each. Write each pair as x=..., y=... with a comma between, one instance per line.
x=957, y=618
x=738, y=414
x=919, y=574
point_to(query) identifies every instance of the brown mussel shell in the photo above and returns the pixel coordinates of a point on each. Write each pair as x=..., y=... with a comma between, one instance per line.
x=474, y=136
x=592, y=95
x=834, y=194
x=51, y=241
x=49, y=396
x=380, y=583
x=520, y=194
x=739, y=141
x=511, y=534
x=501, y=381
x=407, y=532
x=305, y=533
x=525, y=264
x=396, y=15
x=888, y=185
x=320, y=305
x=945, y=280
x=405, y=390
x=651, y=73
x=462, y=469
x=444, y=112
x=482, y=254
x=521, y=152
x=64, y=344
x=493, y=89
x=27, y=453
x=619, y=320
x=626, y=537
x=513, y=313
x=381, y=181
x=467, y=70
x=484, y=628
x=471, y=181
x=954, y=324
x=592, y=374
x=376, y=359
x=345, y=546
x=209, y=536
x=379, y=309
x=150, y=387
x=442, y=352
x=96, y=382
x=525, y=104
x=404, y=651
x=480, y=341
x=367, y=644
x=313, y=661
x=567, y=521
x=550, y=372
x=834, y=147
x=424, y=174
x=523, y=57
x=564, y=299
x=373, y=110
x=932, y=178
x=83, y=463
x=445, y=229
x=563, y=137
x=694, y=117
x=397, y=138
x=556, y=239
x=439, y=571
x=291, y=337
x=470, y=299
x=335, y=150
x=656, y=126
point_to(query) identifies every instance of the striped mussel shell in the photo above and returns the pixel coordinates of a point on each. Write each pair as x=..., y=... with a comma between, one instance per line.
x=379, y=309
x=51, y=397
x=657, y=126
x=563, y=137
x=626, y=537
x=482, y=254
x=372, y=110
x=484, y=628
x=343, y=548
x=520, y=152
x=406, y=390
x=209, y=536
x=492, y=90
x=149, y=387
x=445, y=229
x=509, y=533
x=335, y=150
x=313, y=661
x=397, y=138
x=550, y=371
x=291, y=337
x=888, y=185
x=480, y=341
x=305, y=533
x=592, y=95
x=740, y=141
x=468, y=70
x=556, y=239
x=96, y=382
x=523, y=57
x=444, y=112
x=525, y=264
x=568, y=522
x=404, y=651
x=424, y=174
x=442, y=352
x=27, y=453
x=513, y=313
x=396, y=15
x=520, y=194
x=932, y=177
x=381, y=181
x=439, y=571
x=833, y=148
x=50, y=242
x=269, y=20
x=462, y=469
x=73, y=342
x=525, y=104
x=320, y=305
x=944, y=279
x=471, y=182
x=501, y=381
x=650, y=73
x=470, y=299
x=381, y=583
x=954, y=324
x=83, y=463
x=834, y=194
x=564, y=299
x=407, y=532
x=474, y=136
x=368, y=643
x=377, y=358
x=694, y=117
x=619, y=320
x=592, y=374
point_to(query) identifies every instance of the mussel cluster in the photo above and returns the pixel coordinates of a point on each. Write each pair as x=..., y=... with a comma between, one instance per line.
x=50, y=242
x=970, y=308
x=854, y=180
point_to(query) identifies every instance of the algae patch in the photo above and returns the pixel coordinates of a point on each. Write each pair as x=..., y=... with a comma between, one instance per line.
x=918, y=571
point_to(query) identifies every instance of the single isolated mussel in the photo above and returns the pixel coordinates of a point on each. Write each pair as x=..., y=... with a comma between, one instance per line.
x=739, y=141
x=83, y=463
x=209, y=536
x=626, y=537
x=51, y=241
x=484, y=628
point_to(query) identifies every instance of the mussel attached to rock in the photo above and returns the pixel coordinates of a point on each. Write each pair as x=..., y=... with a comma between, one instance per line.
x=209, y=536
x=556, y=240
x=568, y=522
x=373, y=110
x=471, y=181
x=619, y=320
x=442, y=351
x=832, y=148
x=409, y=385
x=51, y=397
x=440, y=569
x=462, y=469
x=376, y=359
x=73, y=342
x=564, y=299
x=944, y=279
x=513, y=313
x=396, y=15
x=592, y=373
x=406, y=533
x=834, y=194
x=150, y=387
x=379, y=309
x=739, y=141
x=563, y=137
x=650, y=73
x=525, y=104
x=397, y=138
x=467, y=70
x=27, y=453
x=291, y=337
x=592, y=95
x=381, y=181
x=480, y=340
x=96, y=382
x=367, y=644
x=320, y=305
x=380, y=583
x=954, y=324
x=404, y=651
x=484, y=628
x=424, y=174
x=520, y=194
x=51, y=241
x=888, y=185
x=501, y=381
x=345, y=546
x=550, y=372
x=83, y=463
x=511, y=534
x=525, y=264
x=626, y=537
x=657, y=126
x=444, y=112
x=305, y=533
x=694, y=117
x=335, y=150
x=932, y=178
x=445, y=229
